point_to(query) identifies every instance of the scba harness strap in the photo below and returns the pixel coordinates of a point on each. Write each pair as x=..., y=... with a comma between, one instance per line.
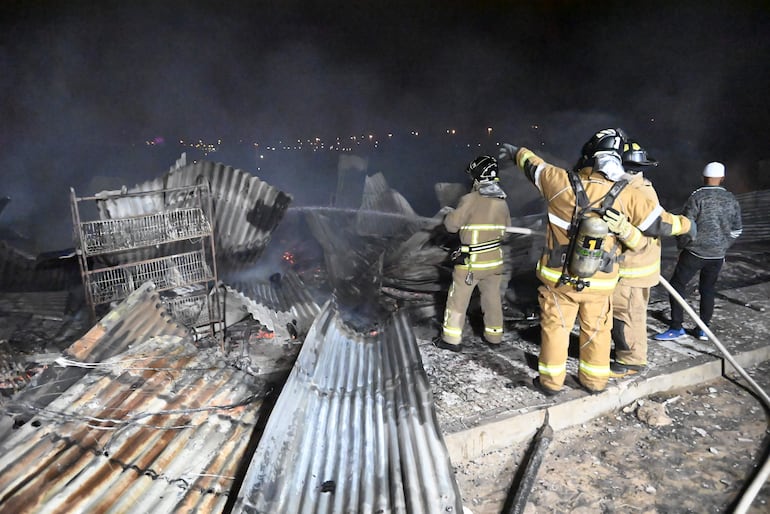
x=462, y=256
x=582, y=207
x=481, y=247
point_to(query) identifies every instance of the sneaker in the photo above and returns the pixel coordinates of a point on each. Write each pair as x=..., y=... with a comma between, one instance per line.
x=702, y=335
x=618, y=370
x=543, y=389
x=440, y=343
x=670, y=334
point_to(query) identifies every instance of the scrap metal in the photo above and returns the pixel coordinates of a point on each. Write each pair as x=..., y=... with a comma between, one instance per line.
x=150, y=422
x=354, y=429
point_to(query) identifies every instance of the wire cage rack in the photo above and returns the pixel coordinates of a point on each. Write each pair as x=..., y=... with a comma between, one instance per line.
x=138, y=227
x=113, y=235
x=191, y=311
x=112, y=284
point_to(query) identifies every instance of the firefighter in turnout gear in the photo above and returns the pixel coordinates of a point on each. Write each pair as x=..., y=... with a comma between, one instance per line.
x=480, y=218
x=595, y=188
x=639, y=272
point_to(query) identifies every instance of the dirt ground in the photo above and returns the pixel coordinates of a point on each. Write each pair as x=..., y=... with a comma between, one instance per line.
x=696, y=458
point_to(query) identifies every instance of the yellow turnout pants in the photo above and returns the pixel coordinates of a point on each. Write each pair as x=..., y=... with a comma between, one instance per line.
x=488, y=282
x=559, y=306
x=629, y=328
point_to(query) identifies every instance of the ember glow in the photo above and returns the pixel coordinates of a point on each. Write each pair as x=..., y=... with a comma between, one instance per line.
x=288, y=258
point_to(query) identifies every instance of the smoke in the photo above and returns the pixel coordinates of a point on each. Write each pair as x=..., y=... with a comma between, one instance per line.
x=87, y=84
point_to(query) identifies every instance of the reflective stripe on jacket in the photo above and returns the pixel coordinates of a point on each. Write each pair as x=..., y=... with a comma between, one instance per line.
x=554, y=185
x=640, y=267
x=479, y=220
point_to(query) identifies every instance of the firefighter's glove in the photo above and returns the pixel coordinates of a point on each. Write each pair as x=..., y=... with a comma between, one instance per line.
x=507, y=153
x=618, y=223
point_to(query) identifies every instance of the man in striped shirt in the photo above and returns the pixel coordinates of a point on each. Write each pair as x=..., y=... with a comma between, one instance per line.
x=718, y=217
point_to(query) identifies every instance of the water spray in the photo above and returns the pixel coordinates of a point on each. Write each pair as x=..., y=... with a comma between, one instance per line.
x=429, y=221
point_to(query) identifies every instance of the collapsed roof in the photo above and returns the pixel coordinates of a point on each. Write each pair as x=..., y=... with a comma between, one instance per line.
x=140, y=413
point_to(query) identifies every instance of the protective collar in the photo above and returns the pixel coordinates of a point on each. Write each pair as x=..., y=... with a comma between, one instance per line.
x=490, y=189
x=609, y=164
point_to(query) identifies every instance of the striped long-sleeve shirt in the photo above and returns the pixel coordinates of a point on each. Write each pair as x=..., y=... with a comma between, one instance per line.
x=717, y=214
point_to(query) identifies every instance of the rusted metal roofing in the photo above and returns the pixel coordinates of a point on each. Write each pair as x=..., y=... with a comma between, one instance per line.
x=154, y=423
x=33, y=327
x=354, y=429
x=139, y=316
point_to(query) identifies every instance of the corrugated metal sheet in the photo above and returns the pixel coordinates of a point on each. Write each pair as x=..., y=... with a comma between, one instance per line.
x=283, y=305
x=246, y=209
x=755, y=212
x=22, y=272
x=138, y=317
x=354, y=430
x=153, y=424
x=353, y=263
x=44, y=304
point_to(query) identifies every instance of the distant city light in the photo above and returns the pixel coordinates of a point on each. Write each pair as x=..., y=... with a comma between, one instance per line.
x=338, y=143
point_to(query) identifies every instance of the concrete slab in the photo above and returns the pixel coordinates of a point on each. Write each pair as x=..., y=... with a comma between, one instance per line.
x=483, y=398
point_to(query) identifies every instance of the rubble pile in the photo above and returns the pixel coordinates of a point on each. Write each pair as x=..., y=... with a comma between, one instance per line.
x=132, y=398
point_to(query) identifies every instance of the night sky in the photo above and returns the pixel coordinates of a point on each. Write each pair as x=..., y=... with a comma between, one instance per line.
x=85, y=85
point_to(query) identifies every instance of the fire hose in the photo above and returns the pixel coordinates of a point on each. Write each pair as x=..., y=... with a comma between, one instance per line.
x=540, y=444
x=762, y=475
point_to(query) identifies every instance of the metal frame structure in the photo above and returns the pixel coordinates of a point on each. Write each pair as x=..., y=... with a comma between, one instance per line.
x=179, y=237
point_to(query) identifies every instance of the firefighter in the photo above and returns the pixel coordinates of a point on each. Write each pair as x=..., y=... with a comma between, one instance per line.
x=639, y=271
x=578, y=269
x=481, y=218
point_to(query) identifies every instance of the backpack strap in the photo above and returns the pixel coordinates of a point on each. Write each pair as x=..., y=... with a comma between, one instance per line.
x=580, y=192
x=613, y=193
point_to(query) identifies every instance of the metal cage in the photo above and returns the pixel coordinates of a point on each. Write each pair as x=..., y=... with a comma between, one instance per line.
x=150, y=241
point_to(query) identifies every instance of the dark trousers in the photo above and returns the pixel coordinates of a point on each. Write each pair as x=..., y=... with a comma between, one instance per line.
x=686, y=267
